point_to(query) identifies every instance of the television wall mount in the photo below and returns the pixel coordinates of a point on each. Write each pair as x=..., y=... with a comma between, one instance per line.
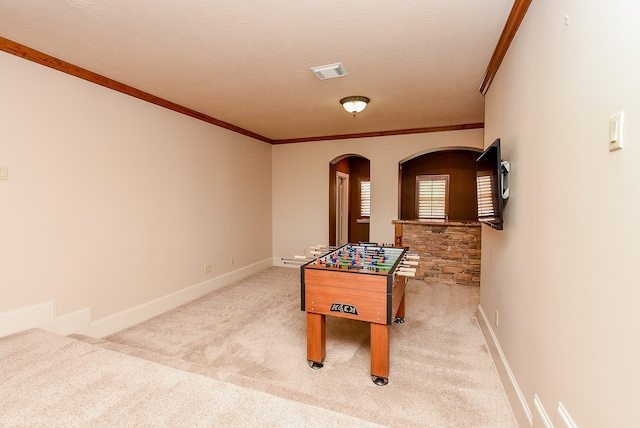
x=505, y=168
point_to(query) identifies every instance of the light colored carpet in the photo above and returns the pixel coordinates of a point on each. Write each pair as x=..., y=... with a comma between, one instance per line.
x=47, y=380
x=253, y=334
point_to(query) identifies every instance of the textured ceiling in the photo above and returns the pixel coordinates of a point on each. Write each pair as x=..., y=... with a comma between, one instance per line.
x=247, y=62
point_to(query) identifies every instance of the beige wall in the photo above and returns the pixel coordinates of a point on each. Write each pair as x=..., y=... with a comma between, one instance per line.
x=301, y=184
x=563, y=274
x=113, y=202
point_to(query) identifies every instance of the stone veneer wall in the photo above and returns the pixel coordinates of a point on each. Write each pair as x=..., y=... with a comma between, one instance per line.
x=449, y=252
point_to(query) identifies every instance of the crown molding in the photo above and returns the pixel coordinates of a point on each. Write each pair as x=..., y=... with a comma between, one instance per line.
x=41, y=58
x=383, y=133
x=518, y=11
x=33, y=55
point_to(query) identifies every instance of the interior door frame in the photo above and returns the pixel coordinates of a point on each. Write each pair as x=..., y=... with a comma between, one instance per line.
x=342, y=208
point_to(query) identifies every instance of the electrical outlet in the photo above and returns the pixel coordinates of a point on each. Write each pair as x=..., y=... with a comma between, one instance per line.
x=207, y=268
x=496, y=318
x=231, y=261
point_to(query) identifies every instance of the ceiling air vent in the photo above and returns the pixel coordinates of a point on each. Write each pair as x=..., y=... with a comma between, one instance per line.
x=329, y=71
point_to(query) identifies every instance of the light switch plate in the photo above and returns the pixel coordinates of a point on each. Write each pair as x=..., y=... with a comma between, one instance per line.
x=615, y=131
x=4, y=172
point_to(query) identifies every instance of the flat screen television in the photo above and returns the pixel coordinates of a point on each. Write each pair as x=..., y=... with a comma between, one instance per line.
x=492, y=186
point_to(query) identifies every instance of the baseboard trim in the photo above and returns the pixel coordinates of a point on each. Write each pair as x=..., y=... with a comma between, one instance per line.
x=43, y=316
x=563, y=419
x=36, y=316
x=542, y=416
x=121, y=320
x=74, y=322
x=519, y=404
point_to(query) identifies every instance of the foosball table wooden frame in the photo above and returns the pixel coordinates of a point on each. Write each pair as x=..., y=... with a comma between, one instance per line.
x=364, y=295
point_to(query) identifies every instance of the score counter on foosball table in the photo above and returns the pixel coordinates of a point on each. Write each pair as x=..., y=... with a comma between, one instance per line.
x=360, y=282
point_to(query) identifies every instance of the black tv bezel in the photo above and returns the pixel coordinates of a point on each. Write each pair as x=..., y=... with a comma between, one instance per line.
x=496, y=188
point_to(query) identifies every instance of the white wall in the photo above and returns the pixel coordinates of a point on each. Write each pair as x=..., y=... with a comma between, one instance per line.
x=113, y=202
x=564, y=272
x=301, y=184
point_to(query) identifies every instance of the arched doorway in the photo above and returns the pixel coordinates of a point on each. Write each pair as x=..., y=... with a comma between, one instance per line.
x=349, y=199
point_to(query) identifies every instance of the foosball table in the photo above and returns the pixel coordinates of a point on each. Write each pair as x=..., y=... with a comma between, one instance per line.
x=361, y=282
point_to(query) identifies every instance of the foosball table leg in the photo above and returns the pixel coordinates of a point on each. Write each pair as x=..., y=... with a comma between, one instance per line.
x=400, y=312
x=380, y=381
x=380, y=353
x=315, y=366
x=316, y=339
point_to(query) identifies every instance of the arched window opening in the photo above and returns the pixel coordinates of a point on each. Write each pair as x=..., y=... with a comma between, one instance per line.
x=439, y=186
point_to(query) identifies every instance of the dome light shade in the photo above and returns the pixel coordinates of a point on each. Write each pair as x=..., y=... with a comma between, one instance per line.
x=354, y=104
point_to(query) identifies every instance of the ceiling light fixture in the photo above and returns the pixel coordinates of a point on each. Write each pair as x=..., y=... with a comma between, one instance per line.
x=354, y=104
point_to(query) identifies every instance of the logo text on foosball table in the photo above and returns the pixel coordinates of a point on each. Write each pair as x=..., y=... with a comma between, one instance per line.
x=345, y=309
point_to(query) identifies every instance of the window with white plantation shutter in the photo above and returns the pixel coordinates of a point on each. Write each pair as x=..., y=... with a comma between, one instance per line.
x=486, y=203
x=432, y=197
x=365, y=198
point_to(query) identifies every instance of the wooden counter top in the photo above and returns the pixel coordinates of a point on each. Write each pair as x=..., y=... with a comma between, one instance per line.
x=437, y=223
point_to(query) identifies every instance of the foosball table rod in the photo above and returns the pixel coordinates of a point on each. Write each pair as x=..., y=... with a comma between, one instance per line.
x=315, y=252
x=405, y=273
x=297, y=260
